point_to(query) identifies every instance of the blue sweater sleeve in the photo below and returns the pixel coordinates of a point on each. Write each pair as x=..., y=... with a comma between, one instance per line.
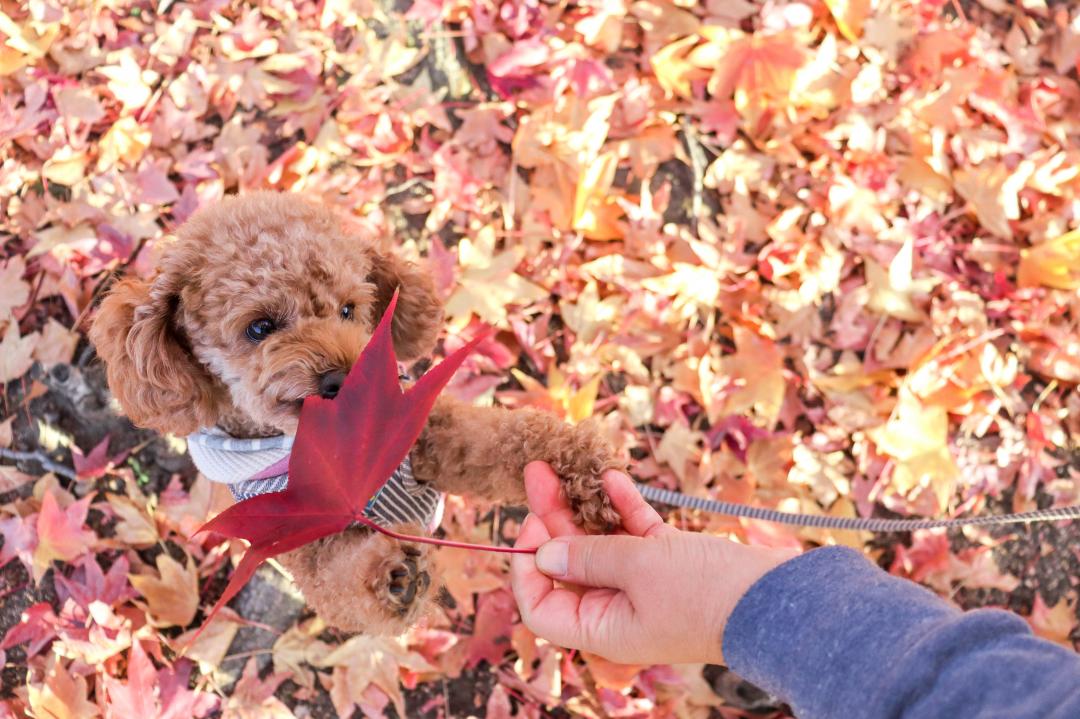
x=836, y=637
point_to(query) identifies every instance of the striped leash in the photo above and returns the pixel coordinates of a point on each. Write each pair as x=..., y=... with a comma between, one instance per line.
x=731, y=509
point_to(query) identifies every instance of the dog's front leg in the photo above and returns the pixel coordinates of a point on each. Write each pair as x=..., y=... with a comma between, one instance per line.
x=362, y=581
x=482, y=451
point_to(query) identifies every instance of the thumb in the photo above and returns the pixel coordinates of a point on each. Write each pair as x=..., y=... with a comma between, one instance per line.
x=592, y=561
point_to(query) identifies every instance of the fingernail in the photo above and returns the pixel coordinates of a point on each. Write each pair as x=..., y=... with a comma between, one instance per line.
x=552, y=558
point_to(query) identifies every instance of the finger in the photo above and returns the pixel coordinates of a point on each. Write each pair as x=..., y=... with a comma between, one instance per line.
x=528, y=584
x=598, y=620
x=638, y=516
x=595, y=560
x=542, y=487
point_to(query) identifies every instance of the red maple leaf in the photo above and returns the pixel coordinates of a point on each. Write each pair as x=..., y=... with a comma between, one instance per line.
x=491, y=633
x=345, y=450
x=97, y=462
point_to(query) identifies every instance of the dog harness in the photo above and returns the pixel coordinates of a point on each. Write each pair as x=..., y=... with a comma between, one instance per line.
x=233, y=461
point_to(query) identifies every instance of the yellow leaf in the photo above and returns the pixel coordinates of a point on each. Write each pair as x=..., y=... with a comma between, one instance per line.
x=609, y=675
x=589, y=315
x=299, y=646
x=1052, y=264
x=24, y=44
x=849, y=16
x=62, y=238
x=678, y=448
x=210, y=647
x=672, y=69
x=488, y=283
x=123, y=144
x=694, y=287
x=758, y=369
x=579, y=406
x=14, y=292
x=916, y=437
x=367, y=660
x=133, y=527
x=172, y=597
x=596, y=212
x=128, y=82
x=66, y=167
x=892, y=293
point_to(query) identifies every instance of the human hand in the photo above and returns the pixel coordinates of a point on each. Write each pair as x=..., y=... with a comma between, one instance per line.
x=650, y=594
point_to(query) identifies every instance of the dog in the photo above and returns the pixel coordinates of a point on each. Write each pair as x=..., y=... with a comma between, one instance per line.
x=266, y=298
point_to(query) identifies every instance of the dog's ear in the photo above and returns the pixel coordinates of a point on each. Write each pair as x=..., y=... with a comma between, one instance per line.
x=419, y=313
x=148, y=362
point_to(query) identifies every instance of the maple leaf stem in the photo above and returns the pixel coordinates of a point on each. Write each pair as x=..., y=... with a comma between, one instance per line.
x=445, y=542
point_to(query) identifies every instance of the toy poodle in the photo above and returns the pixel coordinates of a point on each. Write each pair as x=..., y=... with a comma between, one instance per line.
x=266, y=298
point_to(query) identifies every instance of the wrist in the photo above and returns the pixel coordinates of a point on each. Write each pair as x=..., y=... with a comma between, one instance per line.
x=737, y=568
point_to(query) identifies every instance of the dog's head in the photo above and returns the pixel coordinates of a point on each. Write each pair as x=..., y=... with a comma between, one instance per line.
x=262, y=300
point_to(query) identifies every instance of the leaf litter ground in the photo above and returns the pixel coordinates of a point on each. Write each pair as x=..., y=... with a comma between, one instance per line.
x=818, y=256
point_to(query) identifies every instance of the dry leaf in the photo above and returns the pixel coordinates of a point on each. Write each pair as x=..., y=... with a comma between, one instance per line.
x=1052, y=264
x=172, y=597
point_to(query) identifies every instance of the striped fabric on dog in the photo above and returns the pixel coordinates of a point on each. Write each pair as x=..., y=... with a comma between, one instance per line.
x=233, y=461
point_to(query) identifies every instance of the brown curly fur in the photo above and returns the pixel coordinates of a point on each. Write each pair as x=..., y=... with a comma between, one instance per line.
x=178, y=359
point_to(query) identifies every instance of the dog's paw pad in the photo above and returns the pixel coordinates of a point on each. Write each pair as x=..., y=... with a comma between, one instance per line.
x=406, y=582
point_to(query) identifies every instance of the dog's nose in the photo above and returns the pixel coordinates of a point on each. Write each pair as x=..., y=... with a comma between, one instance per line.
x=330, y=383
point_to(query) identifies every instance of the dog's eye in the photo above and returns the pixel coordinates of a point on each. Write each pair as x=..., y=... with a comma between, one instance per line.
x=260, y=329
x=348, y=312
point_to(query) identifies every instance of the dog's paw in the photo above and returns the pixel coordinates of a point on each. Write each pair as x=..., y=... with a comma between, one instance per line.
x=592, y=508
x=363, y=581
x=405, y=583
x=580, y=470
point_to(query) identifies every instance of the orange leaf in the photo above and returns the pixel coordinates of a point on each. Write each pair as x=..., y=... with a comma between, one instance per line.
x=1054, y=623
x=849, y=16
x=173, y=596
x=758, y=69
x=60, y=532
x=609, y=675
x=596, y=211
x=1052, y=264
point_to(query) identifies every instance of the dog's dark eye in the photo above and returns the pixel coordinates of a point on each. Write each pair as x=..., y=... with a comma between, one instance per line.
x=260, y=329
x=348, y=312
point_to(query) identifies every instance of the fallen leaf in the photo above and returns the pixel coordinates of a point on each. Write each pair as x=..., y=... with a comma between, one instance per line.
x=363, y=661
x=14, y=291
x=60, y=532
x=253, y=697
x=490, y=640
x=916, y=437
x=63, y=695
x=134, y=527
x=1052, y=264
x=16, y=353
x=894, y=293
x=56, y=345
x=488, y=283
x=1054, y=623
x=172, y=597
x=158, y=693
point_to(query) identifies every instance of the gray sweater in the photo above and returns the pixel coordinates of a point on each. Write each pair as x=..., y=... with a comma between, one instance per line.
x=837, y=638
